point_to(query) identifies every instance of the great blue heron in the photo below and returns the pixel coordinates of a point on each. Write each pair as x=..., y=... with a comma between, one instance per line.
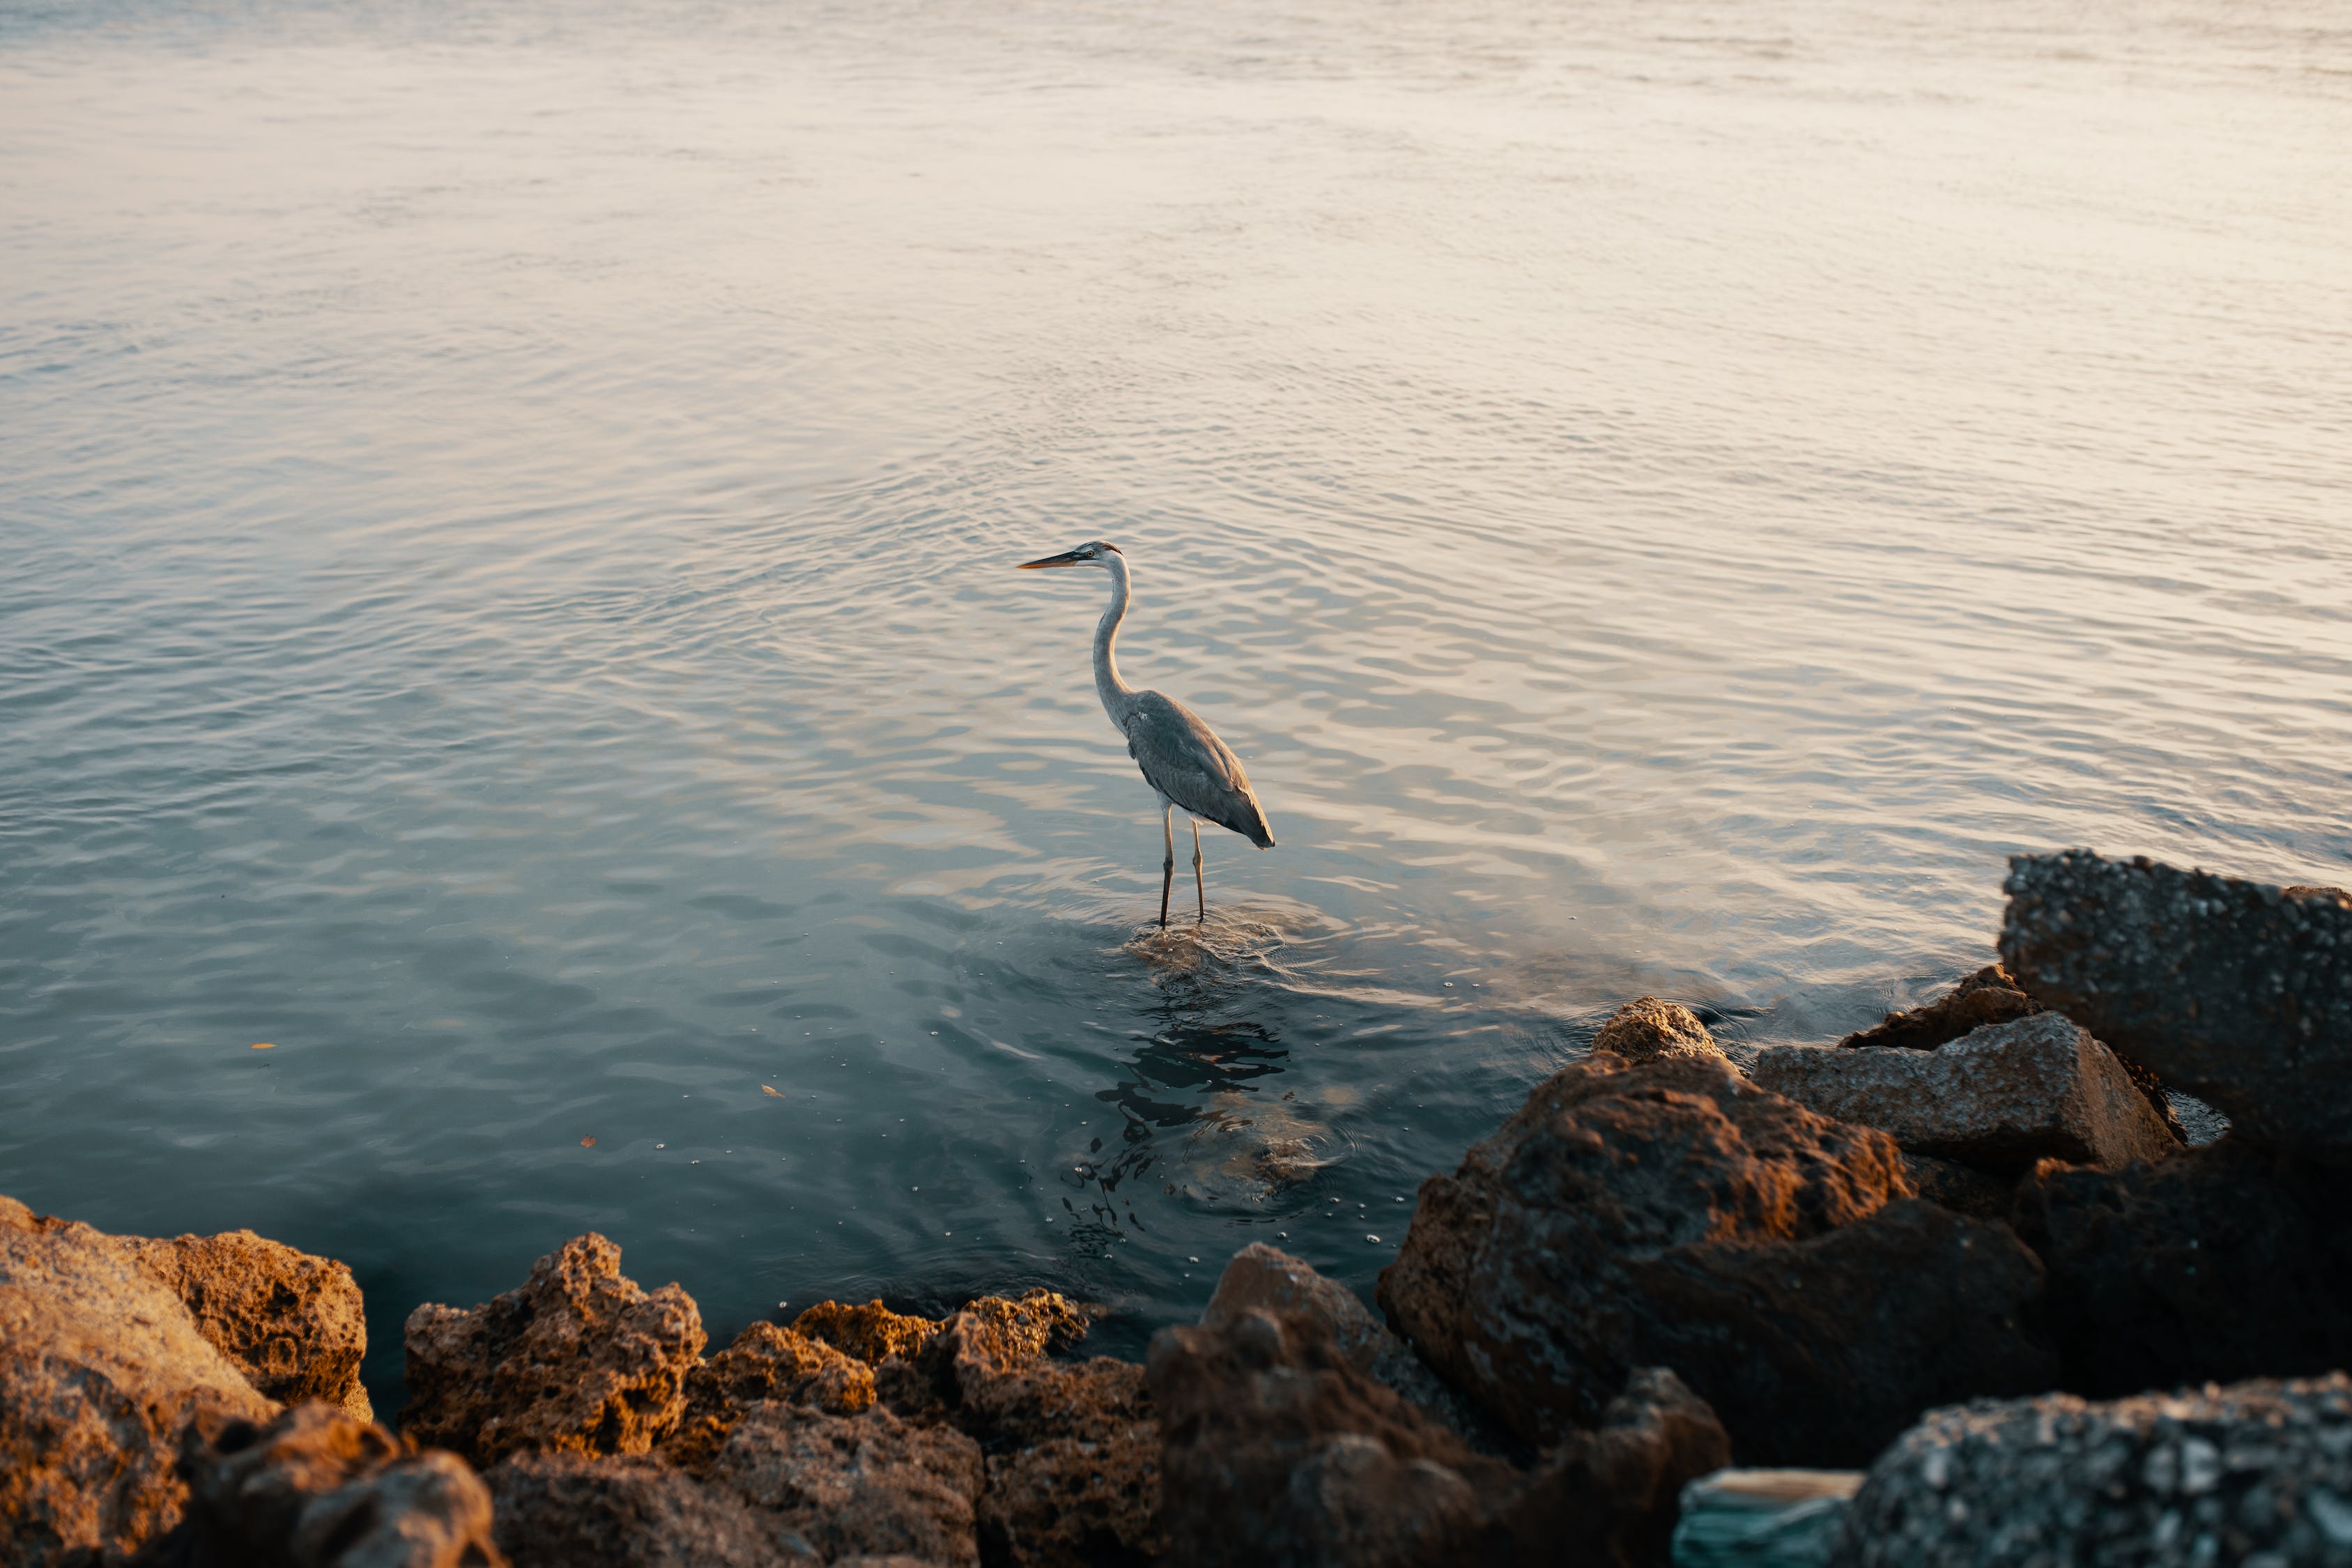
x=1182, y=757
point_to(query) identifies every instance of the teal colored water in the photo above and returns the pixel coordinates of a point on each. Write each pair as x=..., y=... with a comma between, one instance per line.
x=508, y=525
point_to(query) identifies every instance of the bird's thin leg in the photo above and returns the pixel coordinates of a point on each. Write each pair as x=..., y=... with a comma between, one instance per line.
x=1167, y=865
x=1199, y=886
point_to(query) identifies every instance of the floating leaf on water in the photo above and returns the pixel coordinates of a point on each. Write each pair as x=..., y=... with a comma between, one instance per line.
x=772, y=1089
x=589, y=1142
x=264, y=1046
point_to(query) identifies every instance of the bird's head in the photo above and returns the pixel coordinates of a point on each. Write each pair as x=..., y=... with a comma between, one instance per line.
x=1095, y=553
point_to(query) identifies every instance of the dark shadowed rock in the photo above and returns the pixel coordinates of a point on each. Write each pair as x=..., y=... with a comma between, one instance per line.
x=2259, y=1473
x=766, y=1361
x=2000, y=1099
x=2237, y=992
x=1609, y=1498
x=577, y=1360
x=1073, y=1455
x=2219, y=1263
x=294, y=1324
x=1991, y=995
x=1648, y=1030
x=1963, y=1189
x=316, y=1489
x=872, y=1334
x=1279, y=1451
x=100, y=1368
x=859, y=1484
x=1677, y=1216
x=1262, y=1277
x=563, y=1510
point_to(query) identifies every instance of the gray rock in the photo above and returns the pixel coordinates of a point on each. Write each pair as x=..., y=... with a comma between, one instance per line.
x=1647, y=1029
x=1259, y=1276
x=1998, y=1098
x=100, y=1368
x=1763, y=1519
x=2257, y=1473
x=2237, y=992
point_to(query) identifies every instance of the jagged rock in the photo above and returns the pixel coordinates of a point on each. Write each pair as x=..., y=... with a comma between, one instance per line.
x=765, y=1362
x=296, y=1325
x=577, y=1360
x=872, y=1334
x=1278, y=1450
x=1647, y=1029
x=1675, y=1214
x=1259, y=1276
x=317, y=1488
x=991, y=1336
x=1609, y=1498
x=1073, y=1456
x=2258, y=1473
x=847, y=1484
x=1999, y=1099
x=1963, y=1189
x=2239, y=992
x=2219, y=1263
x=1991, y=995
x=100, y=1367
x=563, y=1510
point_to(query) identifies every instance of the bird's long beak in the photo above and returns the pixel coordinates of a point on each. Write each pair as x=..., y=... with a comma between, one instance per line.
x=1067, y=558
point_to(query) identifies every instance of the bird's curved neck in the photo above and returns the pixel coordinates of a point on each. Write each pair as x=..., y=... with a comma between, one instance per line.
x=1115, y=693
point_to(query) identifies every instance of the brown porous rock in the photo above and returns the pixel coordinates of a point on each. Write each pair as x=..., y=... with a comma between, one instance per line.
x=1259, y=1276
x=100, y=1368
x=563, y=1510
x=1072, y=1454
x=1999, y=1099
x=2237, y=992
x=316, y=1489
x=1609, y=1498
x=294, y=1324
x=577, y=1360
x=1963, y=1189
x=766, y=1361
x=1675, y=1214
x=867, y=1484
x=1646, y=1030
x=872, y=1334
x=2221, y=1263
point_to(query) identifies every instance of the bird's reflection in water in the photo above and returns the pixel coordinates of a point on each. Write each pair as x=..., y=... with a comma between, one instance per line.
x=1201, y=1123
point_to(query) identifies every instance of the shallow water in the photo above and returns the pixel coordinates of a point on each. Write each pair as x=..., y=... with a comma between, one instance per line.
x=510, y=516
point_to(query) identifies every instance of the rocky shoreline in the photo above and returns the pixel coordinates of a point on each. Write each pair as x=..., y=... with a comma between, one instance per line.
x=1994, y=1281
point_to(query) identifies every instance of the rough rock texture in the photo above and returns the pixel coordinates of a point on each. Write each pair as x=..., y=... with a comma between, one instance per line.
x=577, y=1360
x=2236, y=992
x=561, y=1510
x=1610, y=1497
x=2219, y=1263
x=1259, y=1276
x=859, y=1484
x=1963, y=1189
x=2000, y=1099
x=1647, y=1029
x=1073, y=1456
x=765, y=1362
x=100, y=1367
x=1675, y=1214
x=316, y=1489
x=1991, y=995
x=1279, y=1451
x=2258, y=1473
x=294, y=1324
x=872, y=1334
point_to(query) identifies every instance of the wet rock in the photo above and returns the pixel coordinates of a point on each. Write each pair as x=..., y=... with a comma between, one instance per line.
x=1677, y=1216
x=1963, y=1189
x=577, y=1360
x=861, y=1484
x=766, y=1361
x=1278, y=1450
x=1647, y=1029
x=991, y=1336
x=1763, y=1519
x=100, y=1368
x=2219, y=1263
x=1999, y=1099
x=317, y=1488
x=294, y=1324
x=2257, y=1473
x=872, y=1334
x=1262, y=1277
x=2239, y=992
x=564, y=1510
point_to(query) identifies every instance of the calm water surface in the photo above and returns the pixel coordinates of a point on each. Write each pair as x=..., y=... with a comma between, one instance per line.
x=507, y=526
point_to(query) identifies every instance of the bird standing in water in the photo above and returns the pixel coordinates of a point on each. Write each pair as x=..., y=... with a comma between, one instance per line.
x=1180, y=756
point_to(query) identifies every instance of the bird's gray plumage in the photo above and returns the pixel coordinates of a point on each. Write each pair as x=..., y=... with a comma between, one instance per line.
x=1180, y=756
